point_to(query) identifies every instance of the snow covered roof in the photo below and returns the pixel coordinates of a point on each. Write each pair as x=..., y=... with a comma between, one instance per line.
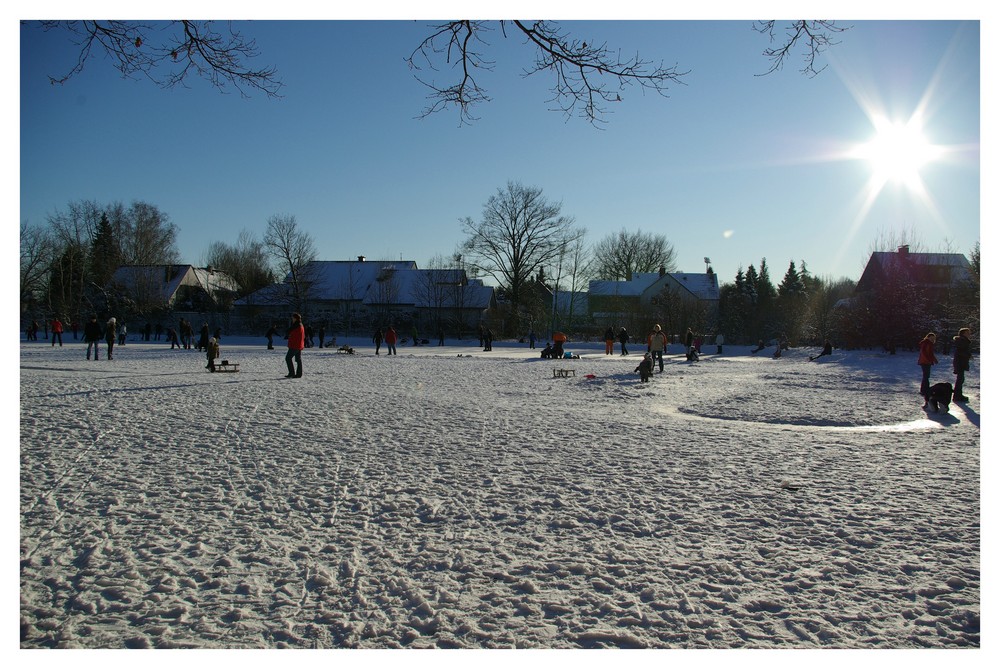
x=382, y=282
x=701, y=285
x=164, y=281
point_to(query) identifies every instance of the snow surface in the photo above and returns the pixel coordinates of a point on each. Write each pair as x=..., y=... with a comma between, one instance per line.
x=452, y=498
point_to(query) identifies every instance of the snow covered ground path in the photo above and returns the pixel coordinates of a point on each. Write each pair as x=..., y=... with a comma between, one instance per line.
x=449, y=497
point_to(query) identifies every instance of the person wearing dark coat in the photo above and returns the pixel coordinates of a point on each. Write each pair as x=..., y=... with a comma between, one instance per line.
x=92, y=335
x=623, y=338
x=377, y=338
x=609, y=341
x=271, y=334
x=645, y=368
x=960, y=361
x=203, y=339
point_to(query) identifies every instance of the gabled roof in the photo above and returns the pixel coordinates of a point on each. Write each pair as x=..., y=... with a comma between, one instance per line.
x=373, y=282
x=164, y=281
x=701, y=285
x=929, y=269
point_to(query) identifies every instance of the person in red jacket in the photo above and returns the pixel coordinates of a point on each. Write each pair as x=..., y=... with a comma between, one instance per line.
x=390, y=340
x=57, y=330
x=296, y=342
x=925, y=360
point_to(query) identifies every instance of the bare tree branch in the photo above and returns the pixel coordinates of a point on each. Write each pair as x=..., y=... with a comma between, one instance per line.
x=816, y=36
x=587, y=77
x=581, y=70
x=169, y=54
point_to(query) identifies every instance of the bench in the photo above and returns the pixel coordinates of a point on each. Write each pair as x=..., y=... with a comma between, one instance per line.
x=226, y=366
x=563, y=373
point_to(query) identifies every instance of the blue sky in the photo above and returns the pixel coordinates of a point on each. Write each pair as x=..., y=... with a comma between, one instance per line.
x=732, y=166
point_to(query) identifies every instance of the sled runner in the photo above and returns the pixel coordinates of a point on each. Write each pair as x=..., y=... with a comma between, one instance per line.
x=226, y=366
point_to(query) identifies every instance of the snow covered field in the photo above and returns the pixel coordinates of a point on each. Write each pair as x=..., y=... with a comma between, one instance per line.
x=449, y=498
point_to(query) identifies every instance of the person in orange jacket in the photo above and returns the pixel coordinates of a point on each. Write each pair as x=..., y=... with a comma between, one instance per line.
x=296, y=337
x=925, y=360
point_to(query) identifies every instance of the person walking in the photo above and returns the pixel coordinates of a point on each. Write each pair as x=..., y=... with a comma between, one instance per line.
x=925, y=359
x=110, y=335
x=487, y=339
x=657, y=345
x=122, y=334
x=296, y=337
x=623, y=338
x=960, y=361
x=92, y=335
x=377, y=338
x=531, y=338
x=203, y=338
x=57, y=330
x=272, y=332
x=390, y=341
x=609, y=341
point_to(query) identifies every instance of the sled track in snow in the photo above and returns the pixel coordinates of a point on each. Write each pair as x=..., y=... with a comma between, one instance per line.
x=908, y=426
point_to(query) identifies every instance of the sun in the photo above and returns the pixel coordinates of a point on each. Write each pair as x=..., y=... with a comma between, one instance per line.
x=897, y=153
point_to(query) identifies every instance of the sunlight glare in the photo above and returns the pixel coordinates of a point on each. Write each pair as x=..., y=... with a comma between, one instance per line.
x=898, y=152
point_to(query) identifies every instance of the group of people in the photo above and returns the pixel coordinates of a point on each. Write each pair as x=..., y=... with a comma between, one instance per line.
x=962, y=343
x=93, y=332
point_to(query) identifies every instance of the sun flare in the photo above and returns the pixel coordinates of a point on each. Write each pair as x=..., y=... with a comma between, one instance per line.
x=897, y=152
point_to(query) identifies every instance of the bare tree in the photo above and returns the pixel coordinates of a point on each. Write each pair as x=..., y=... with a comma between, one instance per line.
x=38, y=251
x=168, y=54
x=622, y=254
x=143, y=234
x=246, y=261
x=813, y=36
x=292, y=250
x=520, y=232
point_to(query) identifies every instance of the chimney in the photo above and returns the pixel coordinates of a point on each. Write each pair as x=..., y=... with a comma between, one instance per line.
x=663, y=271
x=361, y=258
x=904, y=250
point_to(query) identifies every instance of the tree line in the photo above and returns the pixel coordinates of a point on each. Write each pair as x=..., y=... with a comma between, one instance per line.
x=524, y=242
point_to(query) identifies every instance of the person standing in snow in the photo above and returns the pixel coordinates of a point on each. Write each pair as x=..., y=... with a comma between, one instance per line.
x=92, y=335
x=925, y=359
x=623, y=338
x=296, y=337
x=377, y=339
x=960, y=361
x=110, y=335
x=212, y=352
x=203, y=338
x=390, y=341
x=609, y=341
x=657, y=345
x=271, y=334
x=57, y=330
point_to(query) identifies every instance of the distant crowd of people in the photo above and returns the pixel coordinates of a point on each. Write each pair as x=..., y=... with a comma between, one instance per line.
x=300, y=336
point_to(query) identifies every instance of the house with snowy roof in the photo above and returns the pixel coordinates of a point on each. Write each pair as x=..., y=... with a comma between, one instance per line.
x=620, y=302
x=936, y=273
x=180, y=288
x=348, y=295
